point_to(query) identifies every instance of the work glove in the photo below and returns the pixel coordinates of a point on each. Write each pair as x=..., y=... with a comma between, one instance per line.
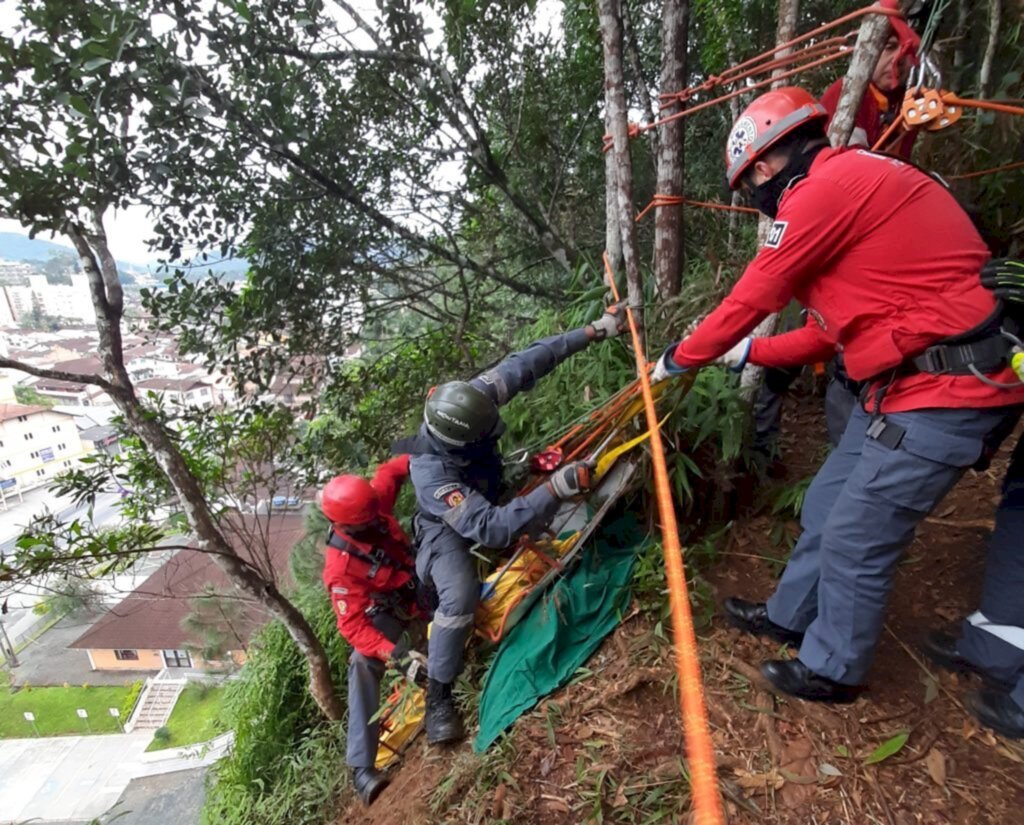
x=410, y=663
x=736, y=358
x=1005, y=277
x=572, y=479
x=610, y=325
x=666, y=367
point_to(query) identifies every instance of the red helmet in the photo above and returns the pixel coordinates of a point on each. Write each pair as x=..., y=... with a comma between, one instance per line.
x=772, y=116
x=348, y=501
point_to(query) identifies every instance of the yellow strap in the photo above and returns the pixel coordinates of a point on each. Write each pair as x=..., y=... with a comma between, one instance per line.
x=605, y=462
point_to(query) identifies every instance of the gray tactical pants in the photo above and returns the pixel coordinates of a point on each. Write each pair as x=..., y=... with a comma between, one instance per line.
x=859, y=513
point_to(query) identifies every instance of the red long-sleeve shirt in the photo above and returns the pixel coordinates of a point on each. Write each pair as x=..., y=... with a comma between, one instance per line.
x=887, y=264
x=352, y=588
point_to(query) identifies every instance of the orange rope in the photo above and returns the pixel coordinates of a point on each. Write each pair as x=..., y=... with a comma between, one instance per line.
x=884, y=139
x=831, y=46
x=707, y=803
x=991, y=105
x=1018, y=165
x=659, y=201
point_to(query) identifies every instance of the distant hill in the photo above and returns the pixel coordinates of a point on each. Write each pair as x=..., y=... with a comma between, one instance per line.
x=15, y=247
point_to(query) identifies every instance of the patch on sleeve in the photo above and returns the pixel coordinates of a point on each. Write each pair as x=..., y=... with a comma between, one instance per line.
x=341, y=606
x=339, y=591
x=445, y=490
x=775, y=234
x=454, y=498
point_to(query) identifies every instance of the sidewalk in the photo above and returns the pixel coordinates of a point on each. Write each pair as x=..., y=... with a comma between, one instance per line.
x=81, y=777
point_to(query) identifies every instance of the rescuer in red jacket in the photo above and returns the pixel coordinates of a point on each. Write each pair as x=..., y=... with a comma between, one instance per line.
x=368, y=571
x=887, y=265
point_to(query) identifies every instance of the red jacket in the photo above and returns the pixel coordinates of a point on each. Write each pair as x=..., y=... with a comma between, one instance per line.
x=356, y=583
x=887, y=264
x=874, y=115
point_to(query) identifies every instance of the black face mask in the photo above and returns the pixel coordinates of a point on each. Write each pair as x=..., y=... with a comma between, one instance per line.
x=766, y=197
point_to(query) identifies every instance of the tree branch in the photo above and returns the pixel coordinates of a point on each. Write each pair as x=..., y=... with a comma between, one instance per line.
x=56, y=375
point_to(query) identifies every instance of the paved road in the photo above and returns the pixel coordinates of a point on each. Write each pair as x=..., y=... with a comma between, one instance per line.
x=70, y=778
x=170, y=799
x=77, y=778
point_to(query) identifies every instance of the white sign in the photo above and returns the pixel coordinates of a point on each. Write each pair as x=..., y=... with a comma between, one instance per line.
x=114, y=712
x=82, y=713
x=30, y=717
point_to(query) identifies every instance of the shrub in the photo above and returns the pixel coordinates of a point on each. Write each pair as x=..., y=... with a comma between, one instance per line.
x=162, y=734
x=128, y=705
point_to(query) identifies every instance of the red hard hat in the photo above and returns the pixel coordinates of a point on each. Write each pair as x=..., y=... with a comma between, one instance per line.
x=763, y=123
x=349, y=501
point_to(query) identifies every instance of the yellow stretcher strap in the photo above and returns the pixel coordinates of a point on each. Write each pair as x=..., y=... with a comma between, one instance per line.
x=400, y=722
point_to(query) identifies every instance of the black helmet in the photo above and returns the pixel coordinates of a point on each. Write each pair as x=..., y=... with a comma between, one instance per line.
x=459, y=414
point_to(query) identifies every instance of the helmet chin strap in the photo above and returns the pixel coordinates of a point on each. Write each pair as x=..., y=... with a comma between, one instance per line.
x=766, y=196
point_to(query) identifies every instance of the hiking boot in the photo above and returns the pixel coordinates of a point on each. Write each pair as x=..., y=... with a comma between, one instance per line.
x=752, y=617
x=796, y=679
x=368, y=782
x=941, y=649
x=442, y=721
x=997, y=711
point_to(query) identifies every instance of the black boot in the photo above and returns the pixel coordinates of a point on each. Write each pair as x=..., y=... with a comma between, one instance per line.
x=941, y=649
x=796, y=679
x=752, y=617
x=443, y=722
x=997, y=711
x=368, y=782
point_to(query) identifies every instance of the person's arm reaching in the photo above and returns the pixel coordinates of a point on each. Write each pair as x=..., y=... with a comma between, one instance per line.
x=388, y=480
x=807, y=345
x=350, y=604
x=522, y=370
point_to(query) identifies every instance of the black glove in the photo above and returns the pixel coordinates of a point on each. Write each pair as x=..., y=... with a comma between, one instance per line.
x=1005, y=277
x=572, y=479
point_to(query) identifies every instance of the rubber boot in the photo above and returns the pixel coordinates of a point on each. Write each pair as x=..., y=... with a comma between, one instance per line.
x=368, y=782
x=442, y=722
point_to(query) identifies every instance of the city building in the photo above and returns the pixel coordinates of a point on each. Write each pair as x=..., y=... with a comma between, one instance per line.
x=148, y=630
x=36, y=444
x=181, y=392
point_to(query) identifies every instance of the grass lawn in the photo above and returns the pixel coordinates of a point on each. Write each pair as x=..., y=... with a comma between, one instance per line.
x=195, y=718
x=55, y=711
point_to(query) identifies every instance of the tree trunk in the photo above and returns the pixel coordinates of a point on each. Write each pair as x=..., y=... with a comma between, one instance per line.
x=613, y=237
x=960, y=49
x=789, y=11
x=105, y=288
x=610, y=17
x=995, y=10
x=668, y=225
x=870, y=39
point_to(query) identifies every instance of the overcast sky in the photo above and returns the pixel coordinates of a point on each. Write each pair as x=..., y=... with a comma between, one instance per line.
x=127, y=232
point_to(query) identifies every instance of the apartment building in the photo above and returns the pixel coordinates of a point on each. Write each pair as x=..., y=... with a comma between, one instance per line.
x=36, y=443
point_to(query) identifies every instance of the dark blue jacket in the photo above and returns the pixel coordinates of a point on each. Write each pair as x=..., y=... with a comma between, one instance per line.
x=457, y=489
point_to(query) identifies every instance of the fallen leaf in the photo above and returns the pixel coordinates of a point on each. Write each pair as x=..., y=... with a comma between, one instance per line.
x=829, y=770
x=555, y=803
x=935, y=761
x=797, y=767
x=620, y=800
x=889, y=747
x=931, y=689
x=947, y=512
x=1009, y=753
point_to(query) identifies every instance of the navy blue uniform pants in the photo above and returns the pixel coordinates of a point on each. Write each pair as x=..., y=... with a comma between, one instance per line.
x=364, y=675
x=993, y=637
x=859, y=513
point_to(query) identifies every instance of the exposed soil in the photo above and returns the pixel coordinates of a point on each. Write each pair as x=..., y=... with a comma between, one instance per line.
x=608, y=748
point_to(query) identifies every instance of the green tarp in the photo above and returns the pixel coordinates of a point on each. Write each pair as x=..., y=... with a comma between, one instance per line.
x=565, y=626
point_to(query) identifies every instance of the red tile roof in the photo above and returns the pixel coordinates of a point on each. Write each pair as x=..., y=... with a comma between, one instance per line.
x=9, y=411
x=151, y=617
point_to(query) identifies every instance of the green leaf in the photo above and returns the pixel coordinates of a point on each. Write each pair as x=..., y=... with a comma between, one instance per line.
x=80, y=104
x=95, y=63
x=887, y=748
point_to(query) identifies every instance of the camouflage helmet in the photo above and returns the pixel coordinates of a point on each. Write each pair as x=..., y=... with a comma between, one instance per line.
x=459, y=414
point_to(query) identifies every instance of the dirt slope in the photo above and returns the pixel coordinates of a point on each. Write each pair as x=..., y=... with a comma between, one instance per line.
x=608, y=747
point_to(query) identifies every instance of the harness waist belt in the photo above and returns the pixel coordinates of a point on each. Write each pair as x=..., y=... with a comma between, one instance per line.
x=985, y=355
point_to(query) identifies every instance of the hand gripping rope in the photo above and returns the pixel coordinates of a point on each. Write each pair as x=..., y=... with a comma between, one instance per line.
x=707, y=803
